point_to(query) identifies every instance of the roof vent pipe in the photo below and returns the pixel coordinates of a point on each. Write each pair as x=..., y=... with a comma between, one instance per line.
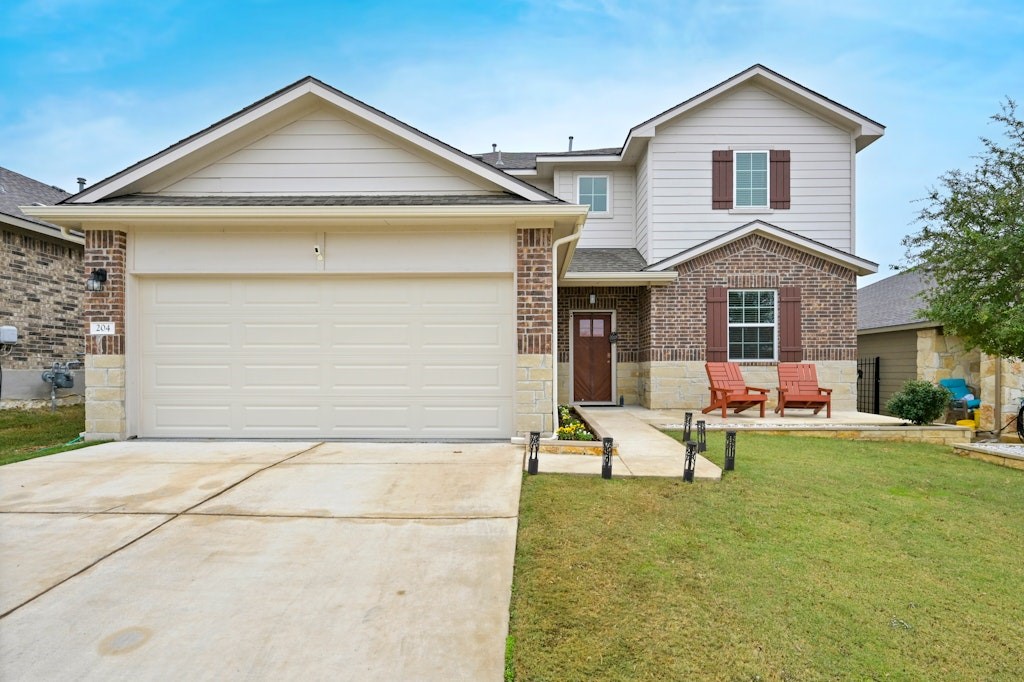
x=494, y=147
x=81, y=184
x=570, y=143
x=499, y=162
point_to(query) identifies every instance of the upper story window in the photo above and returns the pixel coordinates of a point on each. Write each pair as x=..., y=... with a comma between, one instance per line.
x=752, y=324
x=751, y=179
x=594, y=190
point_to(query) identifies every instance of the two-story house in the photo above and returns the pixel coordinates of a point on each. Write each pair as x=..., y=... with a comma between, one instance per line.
x=312, y=267
x=722, y=229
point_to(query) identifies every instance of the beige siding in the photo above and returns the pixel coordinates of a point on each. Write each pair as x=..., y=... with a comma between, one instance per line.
x=397, y=250
x=325, y=152
x=898, y=364
x=643, y=205
x=751, y=118
x=616, y=231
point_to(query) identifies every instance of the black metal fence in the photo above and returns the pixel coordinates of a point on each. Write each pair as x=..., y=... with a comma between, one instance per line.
x=868, y=381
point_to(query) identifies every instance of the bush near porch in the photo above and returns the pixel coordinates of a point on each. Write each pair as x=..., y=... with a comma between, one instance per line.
x=815, y=559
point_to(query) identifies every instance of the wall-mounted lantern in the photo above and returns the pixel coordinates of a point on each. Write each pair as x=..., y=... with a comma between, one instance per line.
x=96, y=280
x=593, y=299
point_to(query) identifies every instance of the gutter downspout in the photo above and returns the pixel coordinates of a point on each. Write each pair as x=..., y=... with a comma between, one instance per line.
x=554, y=323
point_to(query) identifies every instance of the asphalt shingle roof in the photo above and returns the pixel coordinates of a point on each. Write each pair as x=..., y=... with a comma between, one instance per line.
x=528, y=160
x=337, y=200
x=892, y=302
x=19, y=190
x=607, y=260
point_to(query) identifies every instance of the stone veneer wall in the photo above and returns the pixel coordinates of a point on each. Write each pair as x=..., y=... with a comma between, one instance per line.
x=104, y=359
x=533, y=392
x=684, y=385
x=673, y=346
x=625, y=301
x=41, y=287
x=941, y=356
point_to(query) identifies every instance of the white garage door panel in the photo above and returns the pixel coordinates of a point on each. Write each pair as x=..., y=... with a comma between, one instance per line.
x=400, y=358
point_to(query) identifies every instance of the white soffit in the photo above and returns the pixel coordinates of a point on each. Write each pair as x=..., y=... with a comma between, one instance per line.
x=300, y=95
x=860, y=266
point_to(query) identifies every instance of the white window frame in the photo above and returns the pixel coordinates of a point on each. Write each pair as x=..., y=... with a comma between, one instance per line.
x=768, y=180
x=760, y=325
x=608, y=179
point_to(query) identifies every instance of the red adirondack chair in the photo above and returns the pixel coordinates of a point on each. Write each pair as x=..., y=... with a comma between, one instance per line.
x=798, y=387
x=728, y=389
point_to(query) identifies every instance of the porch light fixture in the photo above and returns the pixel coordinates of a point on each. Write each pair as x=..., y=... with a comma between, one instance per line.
x=96, y=280
x=593, y=299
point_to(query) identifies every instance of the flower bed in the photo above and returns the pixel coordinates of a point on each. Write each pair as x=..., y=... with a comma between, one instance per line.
x=571, y=426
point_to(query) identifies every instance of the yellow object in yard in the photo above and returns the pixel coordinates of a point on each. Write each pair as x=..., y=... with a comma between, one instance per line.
x=970, y=423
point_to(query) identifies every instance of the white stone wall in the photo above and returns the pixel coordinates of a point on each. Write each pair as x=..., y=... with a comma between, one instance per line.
x=533, y=394
x=684, y=385
x=104, y=397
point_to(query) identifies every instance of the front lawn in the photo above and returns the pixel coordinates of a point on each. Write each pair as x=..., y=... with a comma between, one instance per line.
x=25, y=434
x=815, y=559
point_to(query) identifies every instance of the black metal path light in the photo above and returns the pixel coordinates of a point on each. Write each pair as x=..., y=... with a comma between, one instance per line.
x=730, y=450
x=606, y=458
x=534, y=461
x=687, y=421
x=691, y=461
x=702, y=436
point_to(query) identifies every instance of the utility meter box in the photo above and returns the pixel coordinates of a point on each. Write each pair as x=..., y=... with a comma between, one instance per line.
x=8, y=335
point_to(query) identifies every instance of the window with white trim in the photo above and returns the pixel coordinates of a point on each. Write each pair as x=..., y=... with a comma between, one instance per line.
x=593, y=190
x=751, y=182
x=753, y=328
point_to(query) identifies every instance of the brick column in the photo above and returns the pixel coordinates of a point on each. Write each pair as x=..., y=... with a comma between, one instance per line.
x=104, y=355
x=534, y=320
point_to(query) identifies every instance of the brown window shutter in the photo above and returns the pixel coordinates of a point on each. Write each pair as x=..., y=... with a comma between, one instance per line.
x=718, y=324
x=721, y=179
x=779, y=178
x=790, y=348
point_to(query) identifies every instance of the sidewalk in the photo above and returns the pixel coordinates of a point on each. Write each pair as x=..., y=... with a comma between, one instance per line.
x=642, y=450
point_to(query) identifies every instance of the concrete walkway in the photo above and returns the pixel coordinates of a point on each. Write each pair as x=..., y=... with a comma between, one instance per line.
x=221, y=561
x=642, y=450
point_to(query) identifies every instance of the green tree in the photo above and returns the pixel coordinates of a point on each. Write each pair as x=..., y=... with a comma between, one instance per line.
x=972, y=245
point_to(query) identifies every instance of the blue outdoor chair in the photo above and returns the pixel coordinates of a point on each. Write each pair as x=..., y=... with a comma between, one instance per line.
x=960, y=390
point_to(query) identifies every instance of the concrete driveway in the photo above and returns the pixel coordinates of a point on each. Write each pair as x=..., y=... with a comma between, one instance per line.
x=214, y=561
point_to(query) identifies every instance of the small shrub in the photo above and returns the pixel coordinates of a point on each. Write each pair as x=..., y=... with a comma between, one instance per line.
x=919, y=402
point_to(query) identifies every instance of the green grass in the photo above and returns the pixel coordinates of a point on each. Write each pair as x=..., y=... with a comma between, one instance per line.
x=815, y=559
x=25, y=434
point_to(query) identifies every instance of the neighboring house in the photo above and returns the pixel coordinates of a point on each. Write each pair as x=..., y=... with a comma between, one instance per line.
x=312, y=267
x=41, y=287
x=909, y=346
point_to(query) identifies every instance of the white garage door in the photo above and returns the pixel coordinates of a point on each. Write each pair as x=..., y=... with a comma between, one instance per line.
x=417, y=357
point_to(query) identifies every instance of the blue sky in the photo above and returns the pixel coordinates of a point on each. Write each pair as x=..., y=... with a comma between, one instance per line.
x=88, y=87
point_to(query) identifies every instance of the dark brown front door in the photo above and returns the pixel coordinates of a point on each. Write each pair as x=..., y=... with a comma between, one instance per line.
x=592, y=357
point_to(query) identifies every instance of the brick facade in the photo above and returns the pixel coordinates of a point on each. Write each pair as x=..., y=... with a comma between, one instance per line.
x=106, y=249
x=40, y=293
x=663, y=329
x=533, y=295
x=678, y=315
x=105, y=379
x=624, y=301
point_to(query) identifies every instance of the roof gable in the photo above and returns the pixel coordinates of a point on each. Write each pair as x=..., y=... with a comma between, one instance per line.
x=860, y=266
x=863, y=128
x=270, y=128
